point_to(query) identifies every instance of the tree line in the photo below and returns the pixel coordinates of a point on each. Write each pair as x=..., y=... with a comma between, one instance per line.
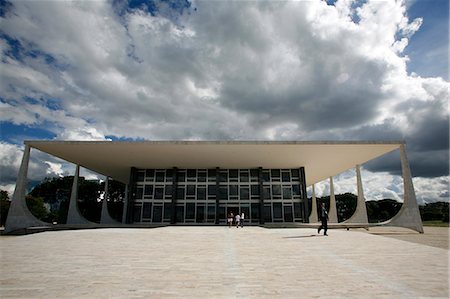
x=49, y=201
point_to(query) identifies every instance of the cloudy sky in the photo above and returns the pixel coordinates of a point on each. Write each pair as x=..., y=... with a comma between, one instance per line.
x=230, y=70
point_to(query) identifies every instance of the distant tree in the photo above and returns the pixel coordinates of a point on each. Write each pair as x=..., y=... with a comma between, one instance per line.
x=37, y=207
x=382, y=210
x=345, y=205
x=4, y=206
x=435, y=211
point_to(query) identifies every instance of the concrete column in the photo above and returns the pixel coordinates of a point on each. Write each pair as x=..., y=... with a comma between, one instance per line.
x=105, y=217
x=409, y=215
x=332, y=213
x=19, y=217
x=313, y=216
x=125, y=205
x=74, y=216
x=360, y=215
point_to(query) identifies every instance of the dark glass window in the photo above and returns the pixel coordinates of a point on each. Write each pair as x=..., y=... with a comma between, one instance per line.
x=233, y=190
x=180, y=214
x=168, y=191
x=159, y=192
x=190, y=190
x=211, y=189
x=139, y=191
x=287, y=193
x=233, y=173
x=267, y=213
x=190, y=211
x=223, y=192
x=167, y=211
x=223, y=176
x=157, y=214
x=160, y=176
x=211, y=175
x=265, y=176
x=295, y=173
x=181, y=176
x=222, y=212
x=148, y=190
x=296, y=189
x=255, y=189
x=201, y=176
x=180, y=193
x=211, y=212
x=275, y=173
x=147, y=210
x=254, y=175
x=288, y=214
x=266, y=192
x=276, y=190
x=201, y=193
x=137, y=213
x=244, y=193
x=149, y=174
x=243, y=176
x=200, y=214
x=298, y=210
x=285, y=176
x=169, y=175
x=255, y=211
x=277, y=213
x=140, y=176
x=191, y=175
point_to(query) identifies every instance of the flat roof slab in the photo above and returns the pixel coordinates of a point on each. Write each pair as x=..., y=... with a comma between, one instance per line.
x=321, y=159
x=219, y=262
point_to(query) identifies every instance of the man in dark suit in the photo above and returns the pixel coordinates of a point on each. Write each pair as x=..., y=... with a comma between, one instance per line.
x=324, y=219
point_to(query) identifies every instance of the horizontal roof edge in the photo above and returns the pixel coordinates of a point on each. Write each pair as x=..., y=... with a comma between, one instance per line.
x=221, y=142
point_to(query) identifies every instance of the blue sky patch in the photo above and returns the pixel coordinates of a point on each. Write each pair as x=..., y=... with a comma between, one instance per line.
x=16, y=134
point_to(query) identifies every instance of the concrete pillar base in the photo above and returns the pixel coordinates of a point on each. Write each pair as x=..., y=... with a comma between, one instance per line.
x=313, y=215
x=105, y=217
x=74, y=216
x=19, y=216
x=360, y=215
x=409, y=214
x=332, y=213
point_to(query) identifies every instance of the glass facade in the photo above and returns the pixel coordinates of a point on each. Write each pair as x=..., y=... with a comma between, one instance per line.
x=207, y=195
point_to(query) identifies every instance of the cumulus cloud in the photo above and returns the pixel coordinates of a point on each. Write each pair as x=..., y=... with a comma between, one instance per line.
x=224, y=70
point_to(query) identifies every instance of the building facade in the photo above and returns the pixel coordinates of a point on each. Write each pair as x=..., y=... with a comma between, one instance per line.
x=208, y=195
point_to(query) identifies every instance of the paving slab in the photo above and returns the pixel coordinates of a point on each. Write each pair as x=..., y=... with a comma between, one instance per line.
x=219, y=262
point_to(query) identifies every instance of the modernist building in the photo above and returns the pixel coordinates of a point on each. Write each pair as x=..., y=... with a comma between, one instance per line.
x=187, y=182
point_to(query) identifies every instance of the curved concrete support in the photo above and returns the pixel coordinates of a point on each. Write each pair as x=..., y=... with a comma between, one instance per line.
x=409, y=215
x=74, y=216
x=125, y=205
x=332, y=213
x=313, y=216
x=106, y=218
x=19, y=216
x=360, y=215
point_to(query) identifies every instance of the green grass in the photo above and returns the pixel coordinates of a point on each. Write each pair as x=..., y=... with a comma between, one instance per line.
x=435, y=223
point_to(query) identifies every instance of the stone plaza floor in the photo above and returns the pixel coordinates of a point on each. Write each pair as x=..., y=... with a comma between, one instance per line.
x=220, y=262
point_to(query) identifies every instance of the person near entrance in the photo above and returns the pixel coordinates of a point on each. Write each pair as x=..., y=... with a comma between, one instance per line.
x=238, y=220
x=242, y=220
x=230, y=218
x=324, y=219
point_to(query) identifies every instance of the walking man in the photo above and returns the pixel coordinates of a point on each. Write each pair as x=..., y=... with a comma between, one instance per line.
x=242, y=220
x=238, y=220
x=324, y=219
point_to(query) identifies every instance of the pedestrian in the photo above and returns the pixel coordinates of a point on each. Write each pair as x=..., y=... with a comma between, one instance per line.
x=324, y=219
x=242, y=219
x=238, y=220
x=230, y=219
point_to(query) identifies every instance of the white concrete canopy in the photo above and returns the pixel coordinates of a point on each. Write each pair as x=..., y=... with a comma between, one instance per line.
x=321, y=159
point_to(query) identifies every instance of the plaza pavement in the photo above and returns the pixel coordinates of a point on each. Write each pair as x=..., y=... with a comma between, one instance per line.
x=219, y=262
